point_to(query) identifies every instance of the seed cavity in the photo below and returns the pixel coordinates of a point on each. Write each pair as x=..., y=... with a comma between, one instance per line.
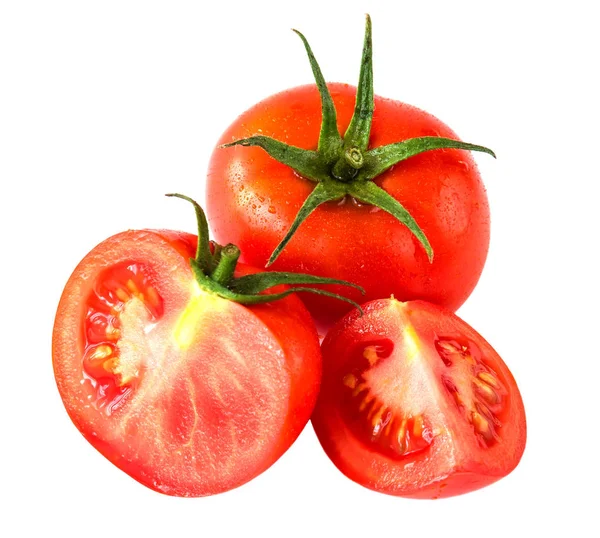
x=394, y=432
x=481, y=398
x=103, y=366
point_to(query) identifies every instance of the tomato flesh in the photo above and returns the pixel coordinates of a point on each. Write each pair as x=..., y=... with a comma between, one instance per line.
x=187, y=392
x=416, y=403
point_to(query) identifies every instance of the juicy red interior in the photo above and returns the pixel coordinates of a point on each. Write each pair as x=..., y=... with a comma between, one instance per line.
x=377, y=425
x=113, y=288
x=474, y=386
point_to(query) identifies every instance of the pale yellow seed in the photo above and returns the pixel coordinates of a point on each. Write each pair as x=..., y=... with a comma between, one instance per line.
x=489, y=379
x=486, y=392
x=401, y=435
x=350, y=381
x=112, y=333
x=359, y=388
x=111, y=364
x=122, y=295
x=448, y=346
x=377, y=418
x=152, y=296
x=101, y=352
x=132, y=287
x=480, y=423
x=418, y=426
x=388, y=427
x=458, y=400
x=366, y=401
x=371, y=355
x=374, y=409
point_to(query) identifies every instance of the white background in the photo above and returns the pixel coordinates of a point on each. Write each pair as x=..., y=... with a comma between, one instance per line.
x=106, y=106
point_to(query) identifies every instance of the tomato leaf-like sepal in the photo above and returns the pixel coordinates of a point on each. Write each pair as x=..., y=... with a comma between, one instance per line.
x=379, y=159
x=358, y=132
x=325, y=191
x=258, y=282
x=232, y=293
x=307, y=163
x=267, y=298
x=370, y=193
x=330, y=140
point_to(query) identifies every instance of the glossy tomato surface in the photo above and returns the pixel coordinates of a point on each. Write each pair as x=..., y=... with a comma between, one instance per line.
x=187, y=392
x=415, y=403
x=252, y=201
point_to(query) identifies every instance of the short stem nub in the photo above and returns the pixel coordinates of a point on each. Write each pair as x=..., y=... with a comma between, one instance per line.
x=354, y=158
x=223, y=273
x=347, y=166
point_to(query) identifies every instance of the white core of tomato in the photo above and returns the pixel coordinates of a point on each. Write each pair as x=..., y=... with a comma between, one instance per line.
x=134, y=352
x=190, y=321
x=403, y=381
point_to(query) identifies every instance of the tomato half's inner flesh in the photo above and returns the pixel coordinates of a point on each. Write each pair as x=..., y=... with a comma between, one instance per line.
x=416, y=403
x=187, y=392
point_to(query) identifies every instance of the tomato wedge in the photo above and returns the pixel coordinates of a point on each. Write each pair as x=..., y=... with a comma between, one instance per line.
x=415, y=403
x=189, y=393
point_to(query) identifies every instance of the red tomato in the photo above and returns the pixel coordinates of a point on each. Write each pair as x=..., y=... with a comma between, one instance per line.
x=187, y=392
x=415, y=403
x=252, y=201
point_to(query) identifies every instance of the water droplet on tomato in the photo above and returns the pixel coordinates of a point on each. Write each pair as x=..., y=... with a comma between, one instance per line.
x=464, y=165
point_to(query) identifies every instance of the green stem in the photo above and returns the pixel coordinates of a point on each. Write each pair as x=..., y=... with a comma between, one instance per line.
x=223, y=273
x=347, y=167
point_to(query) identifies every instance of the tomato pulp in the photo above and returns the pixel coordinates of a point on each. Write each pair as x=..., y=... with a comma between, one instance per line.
x=189, y=393
x=415, y=403
x=253, y=200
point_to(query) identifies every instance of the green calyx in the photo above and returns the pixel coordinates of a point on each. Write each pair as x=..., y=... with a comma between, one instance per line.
x=345, y=166
x=214, y=271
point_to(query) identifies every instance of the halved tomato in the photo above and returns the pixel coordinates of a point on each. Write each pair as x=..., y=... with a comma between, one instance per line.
x=415, y=403
x=189, y=393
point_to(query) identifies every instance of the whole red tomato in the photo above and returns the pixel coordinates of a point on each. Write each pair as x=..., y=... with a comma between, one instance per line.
x=415, y=403
x=419, y=228
x=175, y=371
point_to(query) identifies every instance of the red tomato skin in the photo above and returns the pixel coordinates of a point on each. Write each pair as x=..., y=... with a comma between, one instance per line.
x=138, y=447
x=252, y=200
x=453, y=464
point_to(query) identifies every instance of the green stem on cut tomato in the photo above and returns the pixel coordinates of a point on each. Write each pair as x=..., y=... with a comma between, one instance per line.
x=345, y=165
x=223, y=272
x=214, y=270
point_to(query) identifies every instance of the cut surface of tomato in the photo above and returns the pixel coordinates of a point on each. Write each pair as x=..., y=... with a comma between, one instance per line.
x=414, y=402
x=189, y=393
